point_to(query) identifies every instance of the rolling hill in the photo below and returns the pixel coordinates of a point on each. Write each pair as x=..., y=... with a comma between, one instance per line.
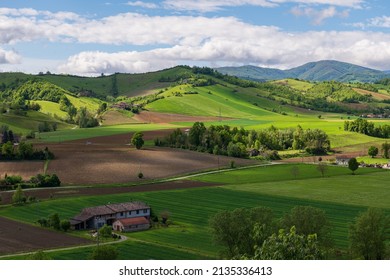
x=324, y=70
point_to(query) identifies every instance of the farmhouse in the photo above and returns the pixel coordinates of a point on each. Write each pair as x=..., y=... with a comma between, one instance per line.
x=130, y=212
x=342, y=160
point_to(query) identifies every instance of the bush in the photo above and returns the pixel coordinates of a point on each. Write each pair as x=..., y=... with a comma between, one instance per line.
x=105, y=231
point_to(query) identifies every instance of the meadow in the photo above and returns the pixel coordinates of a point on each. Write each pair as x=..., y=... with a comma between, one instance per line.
x=84, y=133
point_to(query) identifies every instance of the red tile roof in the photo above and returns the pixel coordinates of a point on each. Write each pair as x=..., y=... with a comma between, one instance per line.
x=133, y=221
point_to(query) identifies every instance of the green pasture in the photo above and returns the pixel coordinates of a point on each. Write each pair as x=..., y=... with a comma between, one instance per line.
x=28, y=123
x=92, y=104
x=296, y=84
x=51, y=109
x=210, y=101
x=84, y=133
x=370, y=160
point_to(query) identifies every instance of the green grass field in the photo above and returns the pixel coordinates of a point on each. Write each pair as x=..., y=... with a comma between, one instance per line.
x=30, y=122
x=83, y=133
x=51, y=108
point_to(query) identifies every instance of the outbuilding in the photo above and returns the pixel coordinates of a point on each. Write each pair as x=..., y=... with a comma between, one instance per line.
x=131, y=224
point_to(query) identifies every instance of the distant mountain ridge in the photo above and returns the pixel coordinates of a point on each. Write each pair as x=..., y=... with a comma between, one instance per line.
x=324, y=70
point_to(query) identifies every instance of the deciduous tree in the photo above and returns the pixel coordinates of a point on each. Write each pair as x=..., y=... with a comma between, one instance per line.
x=369, y=235
x=137, y=140
x=234, y=230
x=353, y=165
x=289, y=246
x=373, y=151
x=309, y=220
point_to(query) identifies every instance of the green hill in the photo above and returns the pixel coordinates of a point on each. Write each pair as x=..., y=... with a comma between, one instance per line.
x=102, y=86
x=325, y=70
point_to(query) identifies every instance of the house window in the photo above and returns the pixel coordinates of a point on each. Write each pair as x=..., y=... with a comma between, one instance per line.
x=137, y=211
x=129, y=212
x=145, y=210
x=122, y=214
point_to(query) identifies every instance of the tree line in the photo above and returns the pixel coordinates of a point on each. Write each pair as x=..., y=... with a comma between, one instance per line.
x=368, y=128
x=224, y=140
x=11, y=149
x=10, y=182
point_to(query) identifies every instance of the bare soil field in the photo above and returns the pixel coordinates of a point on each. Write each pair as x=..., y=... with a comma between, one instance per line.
x=54, y=193
x=110, y=159
x=18, y=237
x=26, y=169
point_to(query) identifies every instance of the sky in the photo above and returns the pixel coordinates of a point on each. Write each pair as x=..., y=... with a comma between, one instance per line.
x=92, y=37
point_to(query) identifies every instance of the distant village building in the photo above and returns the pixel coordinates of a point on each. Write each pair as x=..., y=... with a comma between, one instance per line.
x=129, y=216
x=342, y=160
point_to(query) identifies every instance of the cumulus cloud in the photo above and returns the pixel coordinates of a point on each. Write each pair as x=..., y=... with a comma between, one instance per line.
x=142, y=4
x=318, y=16
x=186, y=40
x=9, y=57
x=282, y=50
x=215, y=5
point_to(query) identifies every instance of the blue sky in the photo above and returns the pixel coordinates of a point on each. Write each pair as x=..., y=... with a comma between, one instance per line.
x=92, y=37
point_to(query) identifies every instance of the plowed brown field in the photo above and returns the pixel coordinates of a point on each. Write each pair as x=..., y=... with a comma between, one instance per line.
x=19, y=237
x=110, y=159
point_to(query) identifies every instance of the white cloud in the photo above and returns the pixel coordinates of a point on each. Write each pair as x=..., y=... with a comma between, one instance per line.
x=215, y=5
x=9, y=57
x=283, y=50
x=186, y=39
x=383, y=21
x=142, y=4
x=318, y=16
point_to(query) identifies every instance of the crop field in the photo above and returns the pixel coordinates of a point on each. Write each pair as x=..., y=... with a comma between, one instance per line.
x=190, y=209
x=19, y=237
x=110, y=159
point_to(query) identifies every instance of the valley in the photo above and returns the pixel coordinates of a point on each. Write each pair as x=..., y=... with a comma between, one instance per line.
x=88, y=124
